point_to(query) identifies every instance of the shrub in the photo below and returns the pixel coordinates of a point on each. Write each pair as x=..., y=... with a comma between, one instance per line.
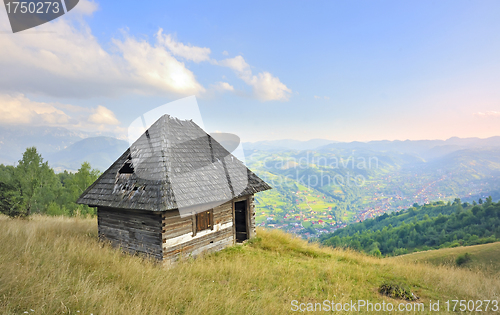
x=397, y=291
x=463, y=259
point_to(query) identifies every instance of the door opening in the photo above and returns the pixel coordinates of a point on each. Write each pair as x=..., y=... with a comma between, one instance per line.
x=240, y=220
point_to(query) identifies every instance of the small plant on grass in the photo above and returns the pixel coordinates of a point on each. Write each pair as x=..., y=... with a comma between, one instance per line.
x=397, y=291
x=463, y=259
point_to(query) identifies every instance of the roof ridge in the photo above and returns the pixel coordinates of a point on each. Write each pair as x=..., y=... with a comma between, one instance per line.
x=173, y=164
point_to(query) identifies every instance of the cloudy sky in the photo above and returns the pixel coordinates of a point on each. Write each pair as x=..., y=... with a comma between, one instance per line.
x=339, y=70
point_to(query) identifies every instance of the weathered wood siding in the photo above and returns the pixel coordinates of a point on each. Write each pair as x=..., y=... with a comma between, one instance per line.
x=168, y=237
x=251, y=216
x=179, y=239
x=133, y=231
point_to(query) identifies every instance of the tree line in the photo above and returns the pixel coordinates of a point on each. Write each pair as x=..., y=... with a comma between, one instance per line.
x=32, y=186
x=431, y=226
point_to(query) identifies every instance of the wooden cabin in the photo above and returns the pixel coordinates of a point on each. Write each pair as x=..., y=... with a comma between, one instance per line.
x=175, y=193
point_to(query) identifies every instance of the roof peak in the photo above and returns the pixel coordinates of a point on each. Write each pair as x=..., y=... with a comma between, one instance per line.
x=174, y=164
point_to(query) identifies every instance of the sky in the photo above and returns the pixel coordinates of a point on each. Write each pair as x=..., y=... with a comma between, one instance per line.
x=263, y=70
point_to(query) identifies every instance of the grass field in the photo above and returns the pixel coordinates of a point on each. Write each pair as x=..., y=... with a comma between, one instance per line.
x=55, y=265
x=484, y=257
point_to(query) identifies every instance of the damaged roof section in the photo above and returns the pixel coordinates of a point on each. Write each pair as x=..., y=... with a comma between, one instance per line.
x=173, y=165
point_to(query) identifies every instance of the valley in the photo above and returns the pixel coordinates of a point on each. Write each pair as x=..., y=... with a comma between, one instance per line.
x=319, y=191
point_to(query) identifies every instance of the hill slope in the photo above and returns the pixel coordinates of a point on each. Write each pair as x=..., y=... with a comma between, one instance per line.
x=431, y=226
x=15, y=139
x=484, y=257
x=100, y=152
x=56, y=265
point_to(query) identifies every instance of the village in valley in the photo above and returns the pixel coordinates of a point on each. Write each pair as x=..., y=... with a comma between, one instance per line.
x=311, y=211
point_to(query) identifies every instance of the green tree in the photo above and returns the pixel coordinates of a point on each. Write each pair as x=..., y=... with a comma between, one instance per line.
x=12, y=202
x=83, y=179
x=77, y=184
x=32, y=186
x=36, y=181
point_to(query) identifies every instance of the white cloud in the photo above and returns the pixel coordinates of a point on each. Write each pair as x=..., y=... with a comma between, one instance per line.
x=17, y=109
x=321, y=97
x=153, y=67
x=64, y=59
x=223, y=86
x=238, y=64
x=488, y=114
x=103, y=116
x=85, y=7
x=269, y=88
x=225, y=53
x=265, y=86
x=20, y=110
x=188, y=52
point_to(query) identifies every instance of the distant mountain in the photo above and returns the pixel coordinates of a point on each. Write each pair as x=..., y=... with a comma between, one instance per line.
x=66, y=149
x=100, y=152
x=482, y=162
x=15, y=139
x=286, y=144
x=427, y=149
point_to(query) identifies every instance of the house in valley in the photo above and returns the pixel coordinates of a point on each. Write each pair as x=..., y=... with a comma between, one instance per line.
x=176, y=192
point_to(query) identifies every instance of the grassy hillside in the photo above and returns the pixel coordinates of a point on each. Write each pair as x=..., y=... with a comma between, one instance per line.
x=432, y=226
x=485, y=257
x=55, y=265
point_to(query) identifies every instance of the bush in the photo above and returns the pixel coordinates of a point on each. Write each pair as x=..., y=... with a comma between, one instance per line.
x=397, y=291
x=54, y=209
x=463, y=259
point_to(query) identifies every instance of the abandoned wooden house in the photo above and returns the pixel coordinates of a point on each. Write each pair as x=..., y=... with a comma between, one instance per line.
x=176, y=192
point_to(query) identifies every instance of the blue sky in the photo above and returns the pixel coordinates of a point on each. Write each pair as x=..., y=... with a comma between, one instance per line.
x=339, y=70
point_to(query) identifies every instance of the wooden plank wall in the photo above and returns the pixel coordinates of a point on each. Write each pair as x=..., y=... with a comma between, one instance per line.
x=251, y=216
x=179, y=240
x=132, y=231
x=165, y=235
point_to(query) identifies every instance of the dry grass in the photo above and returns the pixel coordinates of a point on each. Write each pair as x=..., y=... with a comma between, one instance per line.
x=485, y=257
x=56, y=265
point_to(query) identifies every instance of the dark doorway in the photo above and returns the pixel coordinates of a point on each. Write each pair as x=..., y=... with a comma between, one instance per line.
x=240, y=220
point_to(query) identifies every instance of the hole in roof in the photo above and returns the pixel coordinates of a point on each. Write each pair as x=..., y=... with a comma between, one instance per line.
x=127, y=168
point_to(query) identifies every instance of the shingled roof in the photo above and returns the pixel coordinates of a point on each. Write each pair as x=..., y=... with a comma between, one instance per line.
x=173, y=165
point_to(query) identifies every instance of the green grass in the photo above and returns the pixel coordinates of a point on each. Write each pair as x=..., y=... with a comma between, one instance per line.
x=485, y=257
x=56, y=265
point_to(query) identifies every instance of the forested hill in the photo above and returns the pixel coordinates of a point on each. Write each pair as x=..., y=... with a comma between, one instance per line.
x=431, y=226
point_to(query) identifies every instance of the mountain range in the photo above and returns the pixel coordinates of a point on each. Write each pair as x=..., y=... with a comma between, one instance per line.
x=66, y=149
